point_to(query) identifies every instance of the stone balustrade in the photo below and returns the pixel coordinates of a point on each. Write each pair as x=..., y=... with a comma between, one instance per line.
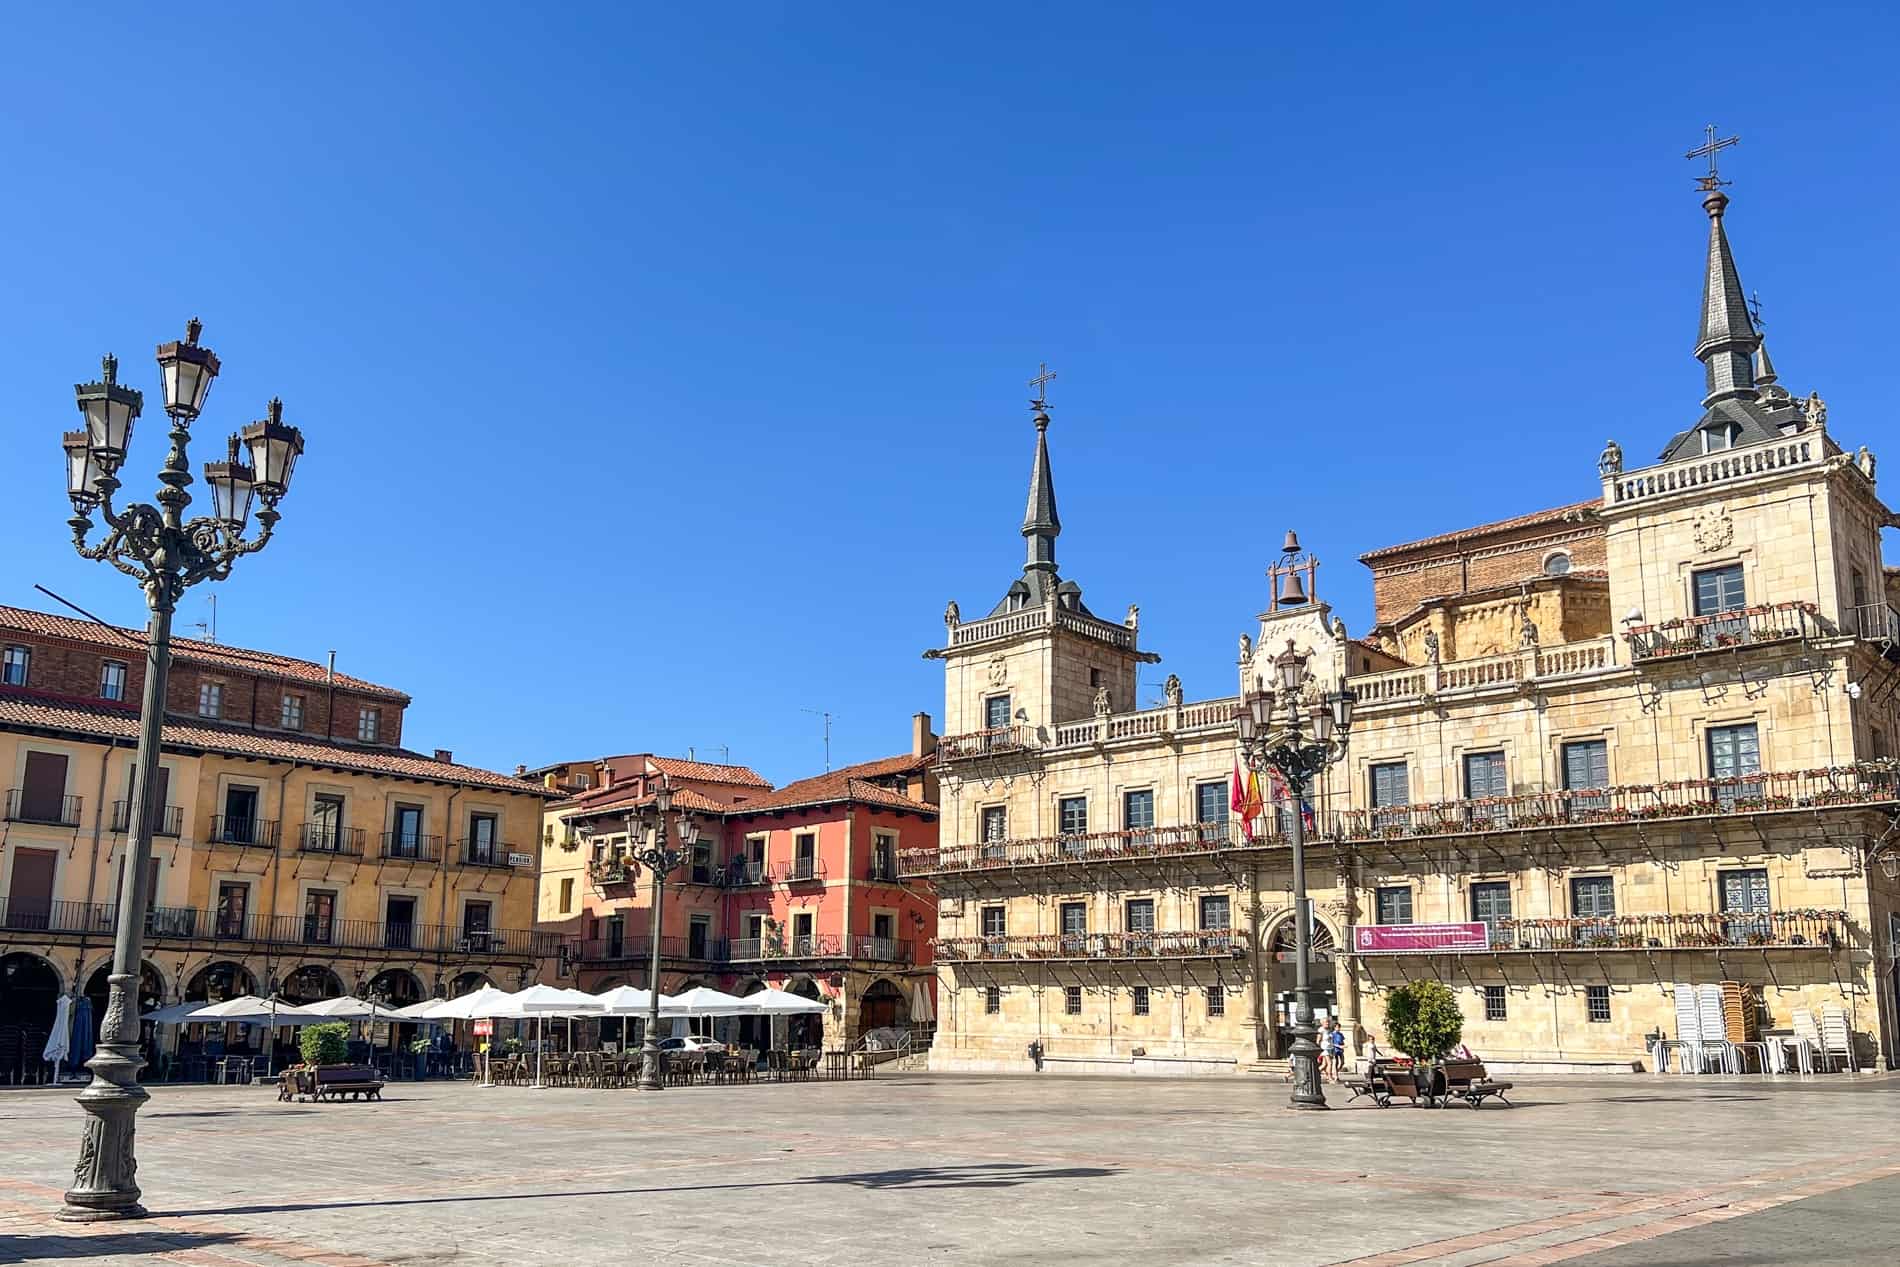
x=1703, y=470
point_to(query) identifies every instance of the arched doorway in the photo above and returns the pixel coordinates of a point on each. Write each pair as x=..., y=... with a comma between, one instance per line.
x=882, y=1006
x=754, y=1032
x=29, y=990
x=151, y=996
x=216, y=982
x=1283, y=972
x=468, y=983
x=312, y=983
x=394, y=988
x=805, y=1031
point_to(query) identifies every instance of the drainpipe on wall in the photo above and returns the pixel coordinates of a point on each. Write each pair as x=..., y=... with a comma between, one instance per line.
x=92, y=868
x=276, y=869
x=1253, y=946
x=442, y=904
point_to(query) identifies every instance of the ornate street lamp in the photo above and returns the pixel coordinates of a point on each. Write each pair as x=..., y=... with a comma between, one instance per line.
x=165, y=554
x=1281, y=732
x=659, y=857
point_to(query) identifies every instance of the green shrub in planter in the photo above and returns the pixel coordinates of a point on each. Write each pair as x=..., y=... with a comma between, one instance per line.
x=326, y=1044
x=1423, y=1021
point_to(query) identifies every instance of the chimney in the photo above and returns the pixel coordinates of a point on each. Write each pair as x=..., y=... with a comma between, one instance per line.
x=521, y=772
x=445, y=756
x=923, y=740
x=604, y=770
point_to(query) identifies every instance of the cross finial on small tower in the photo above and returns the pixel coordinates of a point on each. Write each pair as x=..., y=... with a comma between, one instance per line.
x=1754, y=309
x=1044, y=375
x=1709, y=149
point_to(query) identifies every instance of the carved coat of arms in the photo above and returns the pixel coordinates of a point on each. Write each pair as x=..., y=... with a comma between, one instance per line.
x=999, y=670
x=1713, y=529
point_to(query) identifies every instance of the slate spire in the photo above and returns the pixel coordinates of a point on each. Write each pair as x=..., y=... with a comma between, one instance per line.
x=1041, y=524
x=1727, y=340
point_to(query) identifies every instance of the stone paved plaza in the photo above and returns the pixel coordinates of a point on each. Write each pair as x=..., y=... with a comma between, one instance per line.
x=932, y=1168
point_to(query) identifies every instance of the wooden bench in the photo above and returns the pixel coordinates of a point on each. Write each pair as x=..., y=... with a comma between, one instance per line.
x=335, y=1082
x=1468, y=1081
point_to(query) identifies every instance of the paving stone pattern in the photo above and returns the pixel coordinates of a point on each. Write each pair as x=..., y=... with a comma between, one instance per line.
x=970, y=1169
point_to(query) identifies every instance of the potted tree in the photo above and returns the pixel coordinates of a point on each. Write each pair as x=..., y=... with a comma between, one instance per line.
x=321, y=1046
x=1423, y=1021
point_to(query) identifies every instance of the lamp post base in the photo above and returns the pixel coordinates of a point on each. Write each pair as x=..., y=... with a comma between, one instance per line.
x=1304, y=1057
x=650, y=1069
x=105, y=1185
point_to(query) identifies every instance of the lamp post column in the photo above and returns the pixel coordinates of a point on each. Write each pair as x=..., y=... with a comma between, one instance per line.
x=650, y=1079
x=105, y=1184
x=1304, y=1054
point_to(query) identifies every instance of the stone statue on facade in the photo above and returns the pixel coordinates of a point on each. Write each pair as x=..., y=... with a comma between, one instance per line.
x=952, y=615
x=1171, y=690
x=1339, y=629
x=1611, y=462
x=1134, y=617
x=1103, y=705
x=1864, y=459
x=1431, y=646
x=1246, y=648
x=1527, y=631
x=1814, y=409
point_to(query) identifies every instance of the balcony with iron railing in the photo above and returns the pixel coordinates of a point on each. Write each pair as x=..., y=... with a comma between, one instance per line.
x=992, y=741
x=811, y=946
x=227, y=829
x=1865, y=783
x=411, y=847
x=27, y=805
x=634, y=949
x=210, y=926
x=799, y=870
x=171, y=819
x=329, y=838
x=1718, y=930
x=491, y=853
x=740, y=873
x=1723, y=631
x=883, y=950
x=1212, y=943
x=1876, y=622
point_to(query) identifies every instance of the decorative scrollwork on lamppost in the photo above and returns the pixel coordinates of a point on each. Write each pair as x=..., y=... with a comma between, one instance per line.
x=166, y=554
x=656, y=852
x=1283, y=733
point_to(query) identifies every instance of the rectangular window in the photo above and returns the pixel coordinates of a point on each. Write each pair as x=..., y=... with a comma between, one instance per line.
x=992, y=999
x=234, y=902
x=1072, y=1000
x=996, y=712
x=1586, y=765
x=992, y=921
x=1744, y=898
x=1394, y=904
x=1491, y=903
x=290, y=712
x=319, y=916
x=702, y=865
x=368, y=723
x=1141, y=1000
x=405, y=836
x=1216, y=1000
x=1719, y=590
x=1138, y=915
x=1138, y=809
x=13, y=666
x=325, y=834
x=698, y=930
x=1211, y=803
x=1216, y=912
x=1072, y=815
x=883, y=856
x=1734, y=753
x=240, y=817
x=476, y=925
x=1390, y=786
x=1597, y=999
x=567, y=895
x=1484, y=778
x=1074, y=918
x=994, y=824
x=1494, y=1003
x=481, y=838
x=1592, y=897
x=112, y=680
x=210, y=699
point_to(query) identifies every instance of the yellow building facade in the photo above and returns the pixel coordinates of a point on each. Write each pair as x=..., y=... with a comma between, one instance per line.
x=1638, y=742
x=286, y=860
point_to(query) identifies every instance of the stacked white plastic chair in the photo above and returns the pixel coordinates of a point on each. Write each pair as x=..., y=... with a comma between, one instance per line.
x=1715, y=1047
x=1808, y=1037
x=1836, y=1041
x=1688, y=1033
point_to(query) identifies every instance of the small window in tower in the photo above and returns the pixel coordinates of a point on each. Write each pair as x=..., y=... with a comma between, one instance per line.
x=1720, y=435
x=1557, y=563
x=1095, y=677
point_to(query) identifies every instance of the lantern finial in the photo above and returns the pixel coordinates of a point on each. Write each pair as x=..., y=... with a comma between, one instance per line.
x=193, y=329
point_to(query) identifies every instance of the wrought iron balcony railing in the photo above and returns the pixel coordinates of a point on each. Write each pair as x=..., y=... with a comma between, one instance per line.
x=331, y=839
x=1187, y=944
x=227, y=829
x=814, y=946
x=883, y=950
x=1719, y=930
x=739, y=873
x=1865, y=783
x=411, y=847
x=1746, y=626
x=978, y=743
x=475, y=853
x=188, y=924
x=26, y=805
x=1877, y=622
x=799, y=870
x=636, y=949
x=171, y=819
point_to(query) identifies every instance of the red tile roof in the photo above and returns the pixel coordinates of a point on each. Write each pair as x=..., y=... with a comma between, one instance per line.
x=1576, y=510
x=189, y=650
x=851, y=783
x=683, y=798
x=707, y=771
x=92, y=719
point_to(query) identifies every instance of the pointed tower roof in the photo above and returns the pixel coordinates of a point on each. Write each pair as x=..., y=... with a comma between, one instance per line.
x=1041, y=524
x=1726, y=342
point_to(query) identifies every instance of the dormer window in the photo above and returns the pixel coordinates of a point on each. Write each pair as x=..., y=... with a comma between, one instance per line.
x=1720, y=435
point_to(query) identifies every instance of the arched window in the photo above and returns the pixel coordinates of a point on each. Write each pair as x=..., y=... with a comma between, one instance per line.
x=1557, y=563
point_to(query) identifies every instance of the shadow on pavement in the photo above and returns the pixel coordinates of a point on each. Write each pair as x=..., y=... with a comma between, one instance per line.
x=14, y=1249
x=998, y=1174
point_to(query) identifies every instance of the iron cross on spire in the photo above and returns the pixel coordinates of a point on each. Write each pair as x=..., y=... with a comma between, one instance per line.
x=1709, y=149
x=1044, y=375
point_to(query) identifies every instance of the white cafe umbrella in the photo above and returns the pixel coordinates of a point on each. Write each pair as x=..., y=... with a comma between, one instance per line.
x=424, y=1011
x=922, y=1011
x=705, y=1001
x=173, y=1014
x=626, y=1000
x=773, y=1002
x=247, y=1009
x=483, y=1004
x=542, y=1001
x=59, y=1043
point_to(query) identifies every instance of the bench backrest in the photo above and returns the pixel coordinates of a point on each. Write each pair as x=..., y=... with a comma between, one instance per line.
x=1460, y=1071
x=347, y=1073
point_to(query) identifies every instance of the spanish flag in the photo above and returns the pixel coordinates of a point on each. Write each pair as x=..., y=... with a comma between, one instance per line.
x=1254, y=805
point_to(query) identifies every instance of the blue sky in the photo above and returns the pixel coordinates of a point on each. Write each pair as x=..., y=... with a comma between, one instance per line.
x=662, y=367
